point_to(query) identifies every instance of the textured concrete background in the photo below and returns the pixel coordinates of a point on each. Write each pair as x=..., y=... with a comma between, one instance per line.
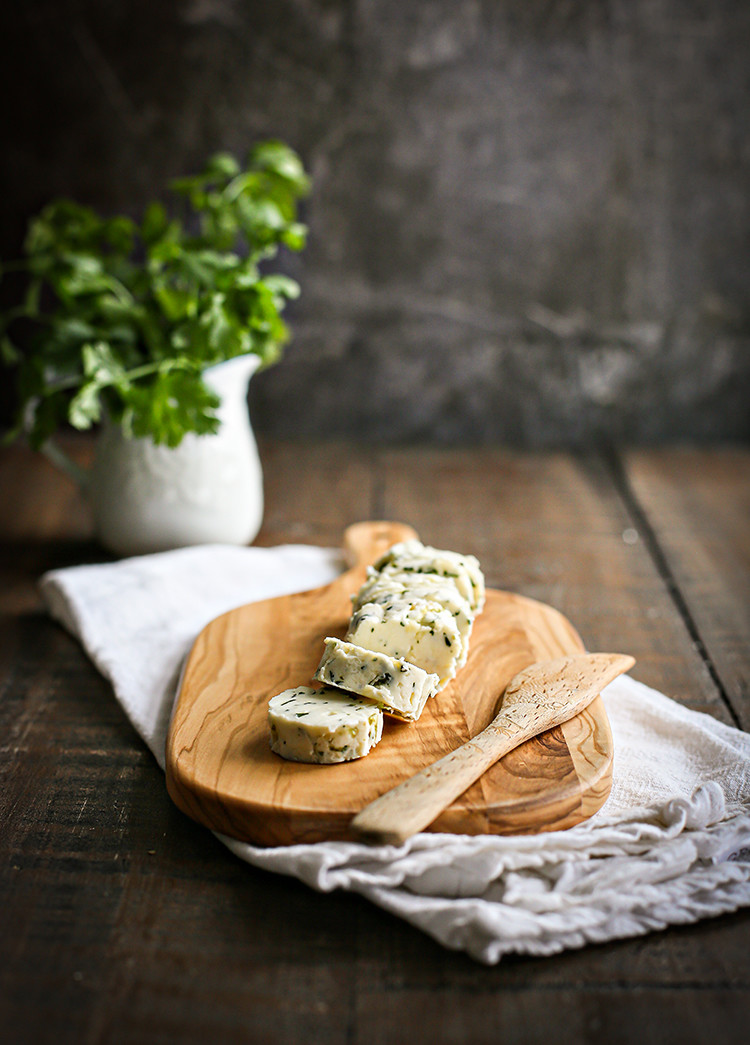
x=530, y=219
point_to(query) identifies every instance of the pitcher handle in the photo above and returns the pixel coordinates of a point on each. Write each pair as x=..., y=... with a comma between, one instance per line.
x=58, y=457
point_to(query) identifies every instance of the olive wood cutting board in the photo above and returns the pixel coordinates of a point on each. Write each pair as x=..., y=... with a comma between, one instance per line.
x=221, y=771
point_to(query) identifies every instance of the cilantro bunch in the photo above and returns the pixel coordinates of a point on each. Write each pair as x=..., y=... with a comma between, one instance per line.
x=121, y=318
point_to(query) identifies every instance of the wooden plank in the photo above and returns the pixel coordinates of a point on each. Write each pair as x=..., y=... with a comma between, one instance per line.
x=554, y=527
x=38, y=501
x=697, y=504
x=312, y=491
x=576, y=1014
x=125, y=922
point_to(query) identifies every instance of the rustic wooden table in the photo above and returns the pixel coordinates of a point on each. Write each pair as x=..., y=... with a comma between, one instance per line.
x=123, y=921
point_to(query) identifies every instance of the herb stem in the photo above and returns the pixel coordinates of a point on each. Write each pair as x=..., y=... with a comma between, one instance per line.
x=163, y=365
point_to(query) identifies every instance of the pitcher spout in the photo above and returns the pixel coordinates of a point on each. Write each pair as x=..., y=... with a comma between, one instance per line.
x=232, y=376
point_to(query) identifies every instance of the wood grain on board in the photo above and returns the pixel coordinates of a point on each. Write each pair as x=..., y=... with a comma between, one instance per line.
x=697, y=503
x=221, y=771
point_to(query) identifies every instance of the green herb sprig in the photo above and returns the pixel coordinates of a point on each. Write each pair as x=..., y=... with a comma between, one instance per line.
x=120, y=318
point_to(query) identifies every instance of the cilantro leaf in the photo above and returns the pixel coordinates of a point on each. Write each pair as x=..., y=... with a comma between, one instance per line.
x=85, y=408
x=171, y=403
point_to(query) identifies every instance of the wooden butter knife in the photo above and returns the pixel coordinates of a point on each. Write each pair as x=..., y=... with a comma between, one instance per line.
x=540, y=697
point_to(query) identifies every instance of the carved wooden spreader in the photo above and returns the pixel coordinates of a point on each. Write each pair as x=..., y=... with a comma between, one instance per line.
x=545, y=695
x=222, y=772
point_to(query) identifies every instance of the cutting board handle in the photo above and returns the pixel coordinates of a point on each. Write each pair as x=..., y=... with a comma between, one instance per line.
x=364, y=542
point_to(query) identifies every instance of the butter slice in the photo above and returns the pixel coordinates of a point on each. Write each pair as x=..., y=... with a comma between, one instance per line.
x=322, y=725
x=399, y=688
x=415, y=630
x=413, y=557
x=383, y=588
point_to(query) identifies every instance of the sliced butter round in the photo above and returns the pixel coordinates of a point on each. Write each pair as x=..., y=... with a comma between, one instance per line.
x=322, y=725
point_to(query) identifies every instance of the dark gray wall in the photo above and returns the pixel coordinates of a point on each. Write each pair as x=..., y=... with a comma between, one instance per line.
x=529, y=220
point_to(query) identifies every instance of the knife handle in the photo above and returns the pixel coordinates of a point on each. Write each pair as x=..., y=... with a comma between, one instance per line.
x=412, y=805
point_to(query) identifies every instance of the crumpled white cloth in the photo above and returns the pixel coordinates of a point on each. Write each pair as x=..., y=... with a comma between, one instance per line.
x=671, y=845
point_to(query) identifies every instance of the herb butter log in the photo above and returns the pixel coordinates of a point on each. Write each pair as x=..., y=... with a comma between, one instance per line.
x=324, y=726
x=417, y=612
x=399, y=688
x=408, y=635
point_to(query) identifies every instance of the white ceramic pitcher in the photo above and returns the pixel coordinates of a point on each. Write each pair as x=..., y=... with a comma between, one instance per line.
x=209, y=489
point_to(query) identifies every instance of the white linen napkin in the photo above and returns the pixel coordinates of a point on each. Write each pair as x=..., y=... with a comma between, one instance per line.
x=671, y=844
